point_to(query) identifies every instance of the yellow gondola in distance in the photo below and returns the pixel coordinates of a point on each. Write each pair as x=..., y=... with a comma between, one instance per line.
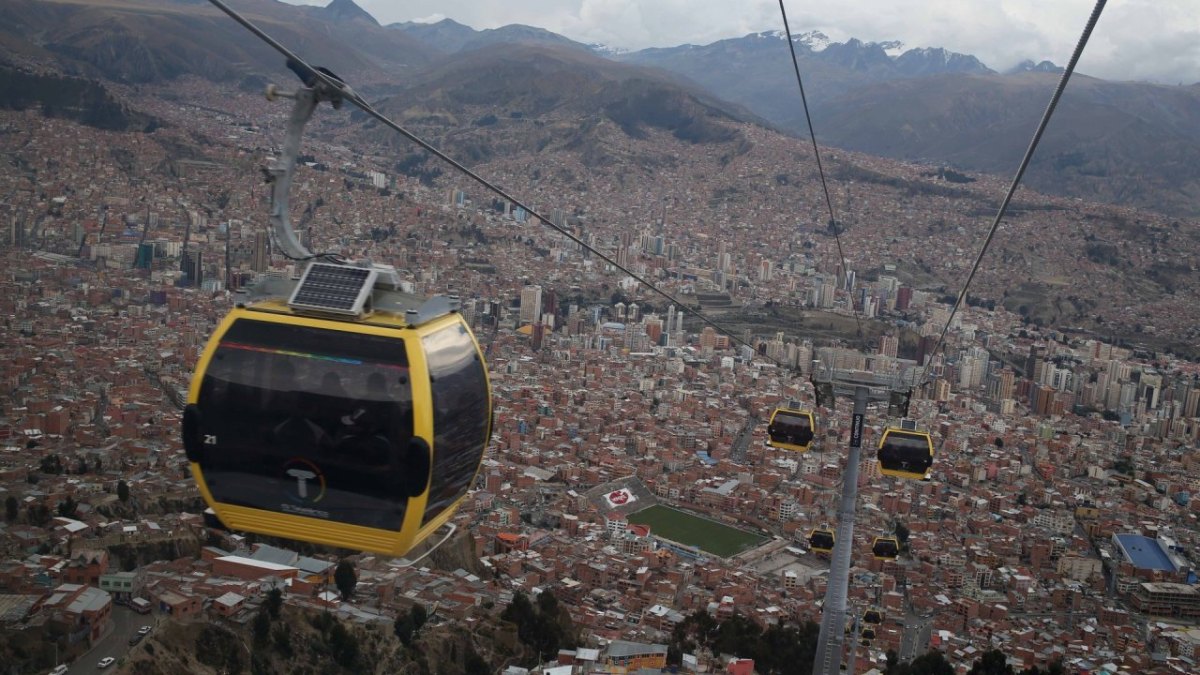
x=885, y=548
x=791, y=429
x=362, y=429
x=821, y=540
x=905, y=453
x=868, y=633
x=873, y=616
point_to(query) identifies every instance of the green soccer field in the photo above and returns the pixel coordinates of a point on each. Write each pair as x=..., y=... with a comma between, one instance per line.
x=708, y=535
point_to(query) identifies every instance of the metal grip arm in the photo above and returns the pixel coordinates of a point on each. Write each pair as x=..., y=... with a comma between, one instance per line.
x=281, y=171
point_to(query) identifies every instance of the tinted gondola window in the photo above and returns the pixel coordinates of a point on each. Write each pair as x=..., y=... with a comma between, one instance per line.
x=307, y=421
x=792, y=429
x=460, y=414
x=905, y=452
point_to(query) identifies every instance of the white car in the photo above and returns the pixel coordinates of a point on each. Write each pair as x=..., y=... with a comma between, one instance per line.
x=143, y=630
x=59, y=670
x=106, y=662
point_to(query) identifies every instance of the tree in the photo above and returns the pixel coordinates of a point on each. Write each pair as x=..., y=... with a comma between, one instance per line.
x=901, y=533
x=51, y=464
x=419, y=616
x=274, y=602
x=345, y=578
x=122, y=491
x=344, y=647
x=262, y=628
x=403, y=628
x=992, y=662
x=475, y=664
x=999, y=442
x=11, y=508
x=37, y=514
x=66, y=508
x=545, y=633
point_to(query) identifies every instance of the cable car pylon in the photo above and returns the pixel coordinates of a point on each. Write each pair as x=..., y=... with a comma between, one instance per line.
x=865, y=387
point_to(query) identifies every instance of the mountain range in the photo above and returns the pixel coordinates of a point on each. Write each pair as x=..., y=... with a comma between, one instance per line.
x=1120, y=142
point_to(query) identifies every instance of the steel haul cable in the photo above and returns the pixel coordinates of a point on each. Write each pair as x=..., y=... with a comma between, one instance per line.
x=837, y=237
x=299, y=65
x=1037, y=136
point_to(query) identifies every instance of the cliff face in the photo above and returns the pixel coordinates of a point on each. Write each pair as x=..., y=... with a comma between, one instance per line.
x=458, y=553
x=70, y=98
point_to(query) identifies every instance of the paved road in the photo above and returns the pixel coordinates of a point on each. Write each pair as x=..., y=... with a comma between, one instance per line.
x=737, y=452
x=915, y=641
x=124, y=625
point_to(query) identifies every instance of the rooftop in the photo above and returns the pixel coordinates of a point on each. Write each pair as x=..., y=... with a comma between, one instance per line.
x=1144, y=552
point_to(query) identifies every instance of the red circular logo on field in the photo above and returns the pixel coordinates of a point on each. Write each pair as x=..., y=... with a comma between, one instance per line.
x=618, y=497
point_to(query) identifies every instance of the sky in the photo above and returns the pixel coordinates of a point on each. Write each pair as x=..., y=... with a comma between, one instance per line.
x=1153, y=40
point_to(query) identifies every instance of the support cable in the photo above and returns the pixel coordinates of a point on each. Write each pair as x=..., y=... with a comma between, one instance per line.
x=837, y=237
x=313, y=75
x=1037, y=136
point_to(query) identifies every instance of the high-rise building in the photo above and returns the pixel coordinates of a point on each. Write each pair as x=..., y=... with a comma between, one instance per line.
x=144, y=259
x=536, y=336
x=654, y=328
x=192, y=266
x=722, y=258
x=259, y=263
x=889, y=345
x=531, y=304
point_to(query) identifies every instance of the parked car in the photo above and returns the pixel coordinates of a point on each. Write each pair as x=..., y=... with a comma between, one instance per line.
x=60, y=669
x=136, y=639
x=106, y=662
x=144, y=630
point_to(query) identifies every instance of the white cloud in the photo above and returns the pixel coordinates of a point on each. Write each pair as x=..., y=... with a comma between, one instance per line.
x=1134, y=39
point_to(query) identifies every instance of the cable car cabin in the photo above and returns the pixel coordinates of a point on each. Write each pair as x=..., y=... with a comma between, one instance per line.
x=873, y=616
x=358, y=423
x=905, y=454
x=821, y=540
x=868, y=634
x=885, y=548
x=791, y=430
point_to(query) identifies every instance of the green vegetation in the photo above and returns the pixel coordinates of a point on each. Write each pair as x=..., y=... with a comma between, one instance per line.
x=994, y=662
x=274, y=602
x=51, y=464
x=782, y=648
x=408, y=625
x=219, y=648
x=544, y=628
x=345, y=578
x=708, y=535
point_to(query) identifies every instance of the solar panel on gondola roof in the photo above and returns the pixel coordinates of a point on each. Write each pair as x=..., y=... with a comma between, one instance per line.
x=341, y=289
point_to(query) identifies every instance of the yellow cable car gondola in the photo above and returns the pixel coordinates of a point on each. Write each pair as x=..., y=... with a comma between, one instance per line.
x=885, y=548
x=351, y=415
x=873, y=616
x=791, y=429
x=868, y=634
x=821, y=540
x=905, y=453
